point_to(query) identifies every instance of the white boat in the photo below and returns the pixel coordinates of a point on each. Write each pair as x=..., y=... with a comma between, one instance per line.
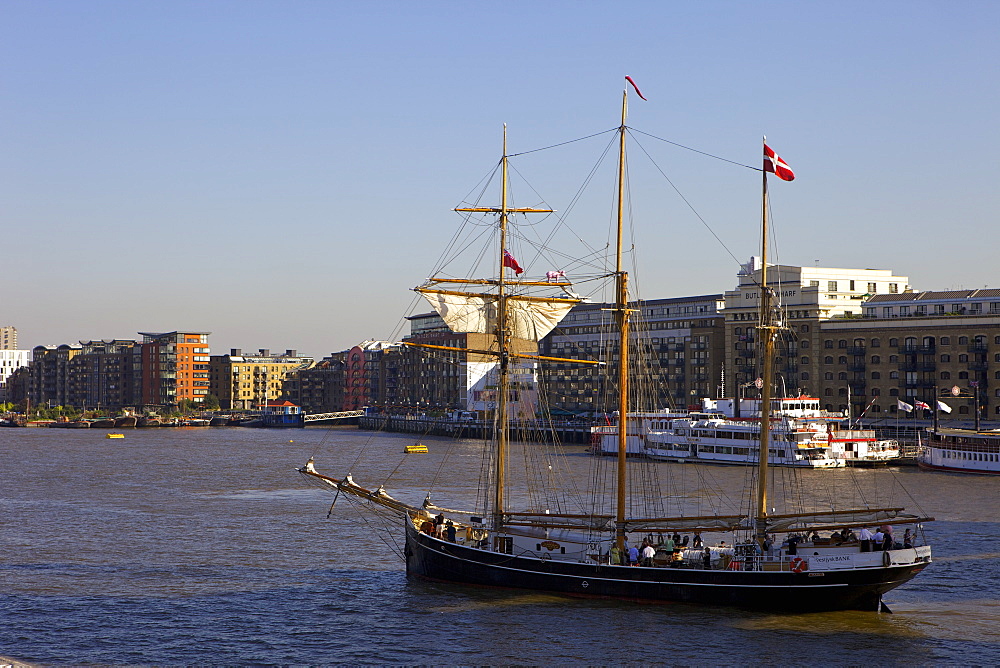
x=961, y=451
x=802, y=435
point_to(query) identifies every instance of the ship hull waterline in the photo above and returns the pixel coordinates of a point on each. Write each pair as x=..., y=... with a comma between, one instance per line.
x=860, y=589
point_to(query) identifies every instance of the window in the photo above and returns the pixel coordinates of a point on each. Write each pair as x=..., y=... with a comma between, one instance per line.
x=851, y=286
x=871, y=288
x=893, y=392
x=939, y=309
x=963, y=358
x=831, y=286
x=842, y=375
x=805, y=375
x=805, y=360
x=805, y=328
x=876, y=359
x=828, y=392
x=828, y=343
x=945, y=375
x=945, y=358
x=804, y=344
x=946, y=340
x=829, y=375
x=876, y=375
x=842, y=359
x=904, y=310
x=876, y=343
x=963, y=340
x=827, y=360
x=893, y=374
x=886, y=311
x=842, y=343
x=893, y=343
x=875, y=392
x=893, y=288
x=963, y=374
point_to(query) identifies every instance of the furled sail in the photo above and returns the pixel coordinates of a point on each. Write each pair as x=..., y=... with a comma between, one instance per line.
x=529, y=318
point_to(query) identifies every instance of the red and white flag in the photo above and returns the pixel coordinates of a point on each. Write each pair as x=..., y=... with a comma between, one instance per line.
x=920, y=404
x=509, y=261
x=637, y=92
x=774, y=164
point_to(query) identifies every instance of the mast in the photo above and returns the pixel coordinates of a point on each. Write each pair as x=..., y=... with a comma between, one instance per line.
x=622, y=316
x=766, y=336
x=503, y=348
x=503, y=331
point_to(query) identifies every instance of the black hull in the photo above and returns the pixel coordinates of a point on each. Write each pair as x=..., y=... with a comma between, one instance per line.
x=859, y=589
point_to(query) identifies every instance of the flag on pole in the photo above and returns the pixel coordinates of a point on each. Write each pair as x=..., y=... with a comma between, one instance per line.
x=509, y=261
x=774, y=164
x=942, y=406
x=920, y=404
x=637, y=92
x=903, y=406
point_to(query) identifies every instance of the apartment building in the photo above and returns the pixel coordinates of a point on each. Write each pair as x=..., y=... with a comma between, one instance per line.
x=247, y=381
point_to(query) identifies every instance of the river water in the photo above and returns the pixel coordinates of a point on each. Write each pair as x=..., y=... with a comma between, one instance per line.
x=203, y=546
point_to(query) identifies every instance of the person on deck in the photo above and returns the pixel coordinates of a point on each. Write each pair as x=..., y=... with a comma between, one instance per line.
x=449, y=529
x=698, y=542
x=865, y=536
x=878, y=540
x=648, y=553
x=908, y=539
x=706, y=558
x=616, y=556
x=633, y=556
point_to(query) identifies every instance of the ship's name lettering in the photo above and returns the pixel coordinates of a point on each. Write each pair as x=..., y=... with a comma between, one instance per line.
x=826, y=560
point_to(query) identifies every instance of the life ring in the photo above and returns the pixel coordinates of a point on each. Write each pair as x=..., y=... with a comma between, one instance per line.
x=799, y=564
x=886, y=559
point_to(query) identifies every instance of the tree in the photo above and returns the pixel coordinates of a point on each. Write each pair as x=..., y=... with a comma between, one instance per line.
x=211, y=402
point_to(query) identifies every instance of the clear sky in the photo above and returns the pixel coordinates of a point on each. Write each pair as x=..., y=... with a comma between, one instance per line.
x=280, y=173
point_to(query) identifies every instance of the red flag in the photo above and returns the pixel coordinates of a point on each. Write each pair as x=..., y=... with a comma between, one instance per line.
x=509, y=261
x=774, y=164
x=637, y=92
x=920, y=404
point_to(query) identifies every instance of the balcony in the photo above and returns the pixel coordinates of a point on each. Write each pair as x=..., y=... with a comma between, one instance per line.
x=856, y=366
x=748, y=353
x=977, y=348
x=979, y=365
x=856, y=350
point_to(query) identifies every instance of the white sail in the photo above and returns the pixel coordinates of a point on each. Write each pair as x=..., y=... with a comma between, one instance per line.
x=529, y=318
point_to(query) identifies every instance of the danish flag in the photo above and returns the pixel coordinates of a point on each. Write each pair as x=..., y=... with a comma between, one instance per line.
x=774, y=164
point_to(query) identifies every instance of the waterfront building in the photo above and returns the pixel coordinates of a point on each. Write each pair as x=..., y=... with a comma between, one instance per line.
x=438, y=381
x=915, y=346
x=248, y=381
x=320, y=388
x=105, y=374
x=49, y=374
x=10, y=361
x=806, y=298
x=678, y=347
x=8, y=338
x=174, y=368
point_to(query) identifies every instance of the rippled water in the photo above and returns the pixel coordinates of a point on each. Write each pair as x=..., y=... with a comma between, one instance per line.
x=194, y=546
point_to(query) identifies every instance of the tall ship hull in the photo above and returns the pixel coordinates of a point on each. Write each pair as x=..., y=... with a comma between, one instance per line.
x=850, y=581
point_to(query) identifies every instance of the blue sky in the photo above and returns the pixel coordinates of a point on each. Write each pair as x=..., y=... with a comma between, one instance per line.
x=279, y=173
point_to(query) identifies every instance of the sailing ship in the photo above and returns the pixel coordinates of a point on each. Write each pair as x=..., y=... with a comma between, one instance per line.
x=583, y=552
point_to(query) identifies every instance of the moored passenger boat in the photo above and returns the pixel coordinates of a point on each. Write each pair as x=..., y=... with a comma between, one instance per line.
x=961, y=451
